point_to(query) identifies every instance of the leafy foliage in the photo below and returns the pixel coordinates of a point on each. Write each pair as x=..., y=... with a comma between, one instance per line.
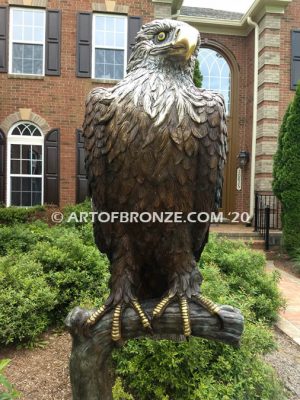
x=11, y=215
x=296, y=257
x=73, y=268
x=26, y=299
x=246, y=276
x=9, y=392
x=199, y=369
x=286, y=173
x=21, y=238
x=279, y=183
x=119, y=392
x=197, y=78
x=44, y=272
x=72, y=213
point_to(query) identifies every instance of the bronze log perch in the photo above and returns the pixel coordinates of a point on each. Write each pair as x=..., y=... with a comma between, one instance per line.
x=90, y=363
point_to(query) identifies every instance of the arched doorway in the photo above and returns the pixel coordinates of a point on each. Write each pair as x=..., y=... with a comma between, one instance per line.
x=220, y=73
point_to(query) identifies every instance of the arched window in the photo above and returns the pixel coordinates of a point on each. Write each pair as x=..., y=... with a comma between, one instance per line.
x=25, y=165
x=216, y=73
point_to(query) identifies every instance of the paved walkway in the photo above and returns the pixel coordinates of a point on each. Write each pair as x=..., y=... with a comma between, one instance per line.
x=289, y=320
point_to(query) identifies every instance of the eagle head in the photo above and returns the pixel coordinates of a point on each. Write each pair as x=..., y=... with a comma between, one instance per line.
x=167, y=44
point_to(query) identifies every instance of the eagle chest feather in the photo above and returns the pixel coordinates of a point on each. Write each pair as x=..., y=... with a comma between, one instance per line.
x=156, y=172
x=160, y=157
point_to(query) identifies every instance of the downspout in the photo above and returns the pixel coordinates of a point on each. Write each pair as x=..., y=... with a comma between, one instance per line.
x=254, y=123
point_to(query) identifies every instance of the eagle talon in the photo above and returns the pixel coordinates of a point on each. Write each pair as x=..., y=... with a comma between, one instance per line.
x=184, y=309
x=116, y=324
x=93, y=319
x=143, y=317
x=116, y=318
x=116, y=333
x=210, y=306
x=185, y=313
x=162, y=305
x=95, y=316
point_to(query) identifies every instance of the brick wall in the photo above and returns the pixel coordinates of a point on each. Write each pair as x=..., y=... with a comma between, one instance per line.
x=60, y=100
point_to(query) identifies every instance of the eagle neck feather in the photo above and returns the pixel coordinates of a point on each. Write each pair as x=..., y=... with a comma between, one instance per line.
x=157, y=92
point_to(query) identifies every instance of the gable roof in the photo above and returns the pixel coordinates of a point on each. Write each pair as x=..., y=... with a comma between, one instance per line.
x=210, y=13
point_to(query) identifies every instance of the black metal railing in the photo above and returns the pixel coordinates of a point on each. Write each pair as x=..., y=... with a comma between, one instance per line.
x=267, y=215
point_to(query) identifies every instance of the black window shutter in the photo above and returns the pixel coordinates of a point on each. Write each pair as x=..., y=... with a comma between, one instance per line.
x=295, y=61
x=53, y=32
x=3, y=39
x=2, y=166
x=81, y=179
x=134, y=25
x=51, y=170
x=84, y=45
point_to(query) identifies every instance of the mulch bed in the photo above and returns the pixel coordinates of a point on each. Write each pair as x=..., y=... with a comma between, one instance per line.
x=41, y=373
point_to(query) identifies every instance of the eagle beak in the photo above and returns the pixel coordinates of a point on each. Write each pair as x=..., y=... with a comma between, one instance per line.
x=187, y=39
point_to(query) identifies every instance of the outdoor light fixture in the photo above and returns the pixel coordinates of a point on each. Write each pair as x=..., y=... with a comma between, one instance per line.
x=243, y=158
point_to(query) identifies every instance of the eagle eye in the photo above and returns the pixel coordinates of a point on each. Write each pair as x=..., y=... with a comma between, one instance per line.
x=161, y=36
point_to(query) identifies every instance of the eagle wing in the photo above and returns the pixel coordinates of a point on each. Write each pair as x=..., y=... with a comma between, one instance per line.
x=97, y=142
x=212, y=154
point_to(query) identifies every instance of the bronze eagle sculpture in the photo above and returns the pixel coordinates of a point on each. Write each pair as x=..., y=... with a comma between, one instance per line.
x=155, y=143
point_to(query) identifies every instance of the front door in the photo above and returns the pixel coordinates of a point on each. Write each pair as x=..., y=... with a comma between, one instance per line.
x=217, y=76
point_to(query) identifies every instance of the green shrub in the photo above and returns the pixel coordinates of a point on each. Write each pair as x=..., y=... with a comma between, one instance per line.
x=119, y=392
x=12, y=215
x=246, y=275
x=72, y=213
x=279, y=182
x=198, y=77
x=76, y=270
x=21, y=238
x=44, y=273
x=199, y=369
x=296, y=259
x=9, y=392
x=286, y=174
x=25, y=299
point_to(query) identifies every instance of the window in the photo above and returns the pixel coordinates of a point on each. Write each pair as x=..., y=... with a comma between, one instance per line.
x=25, y=166
x=27, y=44
x=109, y=46
x=216, y=73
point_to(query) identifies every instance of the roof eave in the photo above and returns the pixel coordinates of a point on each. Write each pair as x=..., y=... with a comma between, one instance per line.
x=237, y=27
x=214, y=25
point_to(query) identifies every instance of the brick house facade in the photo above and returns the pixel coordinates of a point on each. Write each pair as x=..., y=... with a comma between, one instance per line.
x=47, y=71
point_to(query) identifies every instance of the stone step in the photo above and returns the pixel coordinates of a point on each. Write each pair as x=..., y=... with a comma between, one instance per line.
x=275, y=237
x=239, y=235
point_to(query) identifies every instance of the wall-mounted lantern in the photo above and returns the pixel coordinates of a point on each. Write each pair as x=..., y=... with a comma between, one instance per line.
x=243, y=158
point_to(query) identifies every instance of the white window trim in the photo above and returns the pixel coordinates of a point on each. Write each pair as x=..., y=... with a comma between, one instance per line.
x=219, y=77
x=10, y=62
x=26, y=140
x=94, y=47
